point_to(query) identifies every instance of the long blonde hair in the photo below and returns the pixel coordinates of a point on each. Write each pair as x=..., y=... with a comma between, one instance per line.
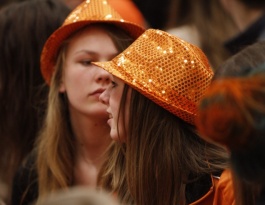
x=56, y=143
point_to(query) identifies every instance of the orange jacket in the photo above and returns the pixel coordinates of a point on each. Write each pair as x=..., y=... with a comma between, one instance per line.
x=221, y=193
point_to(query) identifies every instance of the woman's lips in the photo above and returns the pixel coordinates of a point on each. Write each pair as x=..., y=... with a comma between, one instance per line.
x=110, y=118
x=98, y=91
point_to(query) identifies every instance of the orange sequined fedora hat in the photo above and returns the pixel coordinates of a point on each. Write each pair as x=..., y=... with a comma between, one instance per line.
x=171, y=72
x=90, y=11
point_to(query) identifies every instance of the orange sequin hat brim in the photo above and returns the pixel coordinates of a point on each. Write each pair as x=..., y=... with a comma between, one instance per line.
x=167, y=70
x=88, y=12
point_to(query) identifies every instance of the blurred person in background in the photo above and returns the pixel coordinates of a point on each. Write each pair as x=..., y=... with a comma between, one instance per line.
x=249, y=17
x=24, y=28
x=78, y=196
x=155, y=12
x=231, y=114
x=243, y=62
x=203, y=23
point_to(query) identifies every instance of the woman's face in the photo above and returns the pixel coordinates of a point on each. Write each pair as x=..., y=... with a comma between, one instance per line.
x=82, y=81
x=112, y=97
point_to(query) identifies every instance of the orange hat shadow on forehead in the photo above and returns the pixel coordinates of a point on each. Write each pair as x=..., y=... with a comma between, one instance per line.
x=90, y=11
x=169, y=71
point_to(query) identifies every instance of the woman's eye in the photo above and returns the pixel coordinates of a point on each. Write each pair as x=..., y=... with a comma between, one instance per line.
x=113, y=84
x=86, y=62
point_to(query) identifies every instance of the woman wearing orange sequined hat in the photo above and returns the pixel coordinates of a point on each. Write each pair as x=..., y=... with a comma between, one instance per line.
x=75, y=135
x=152, y=104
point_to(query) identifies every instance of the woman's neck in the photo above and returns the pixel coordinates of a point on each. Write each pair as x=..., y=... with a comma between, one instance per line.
x=91, y=132
x=92, y=140
x=88, y=163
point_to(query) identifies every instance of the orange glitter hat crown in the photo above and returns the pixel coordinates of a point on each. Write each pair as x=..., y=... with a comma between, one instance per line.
x=90, y=11
x=169, y=71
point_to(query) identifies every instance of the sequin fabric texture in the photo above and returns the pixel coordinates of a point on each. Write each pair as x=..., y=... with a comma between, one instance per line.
x=169, y=71
x=90, y=11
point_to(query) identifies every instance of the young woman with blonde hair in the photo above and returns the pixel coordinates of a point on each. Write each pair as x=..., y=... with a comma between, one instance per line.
x=75, y=135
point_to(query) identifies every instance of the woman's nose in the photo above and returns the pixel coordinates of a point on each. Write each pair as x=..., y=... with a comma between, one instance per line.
x=103, y=76
x=104, y=97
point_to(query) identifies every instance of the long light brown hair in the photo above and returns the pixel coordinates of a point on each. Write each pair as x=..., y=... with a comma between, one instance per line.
x=56, y=144
x=161, y=156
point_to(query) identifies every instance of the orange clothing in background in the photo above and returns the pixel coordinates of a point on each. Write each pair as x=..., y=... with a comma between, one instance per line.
x=221, y=193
